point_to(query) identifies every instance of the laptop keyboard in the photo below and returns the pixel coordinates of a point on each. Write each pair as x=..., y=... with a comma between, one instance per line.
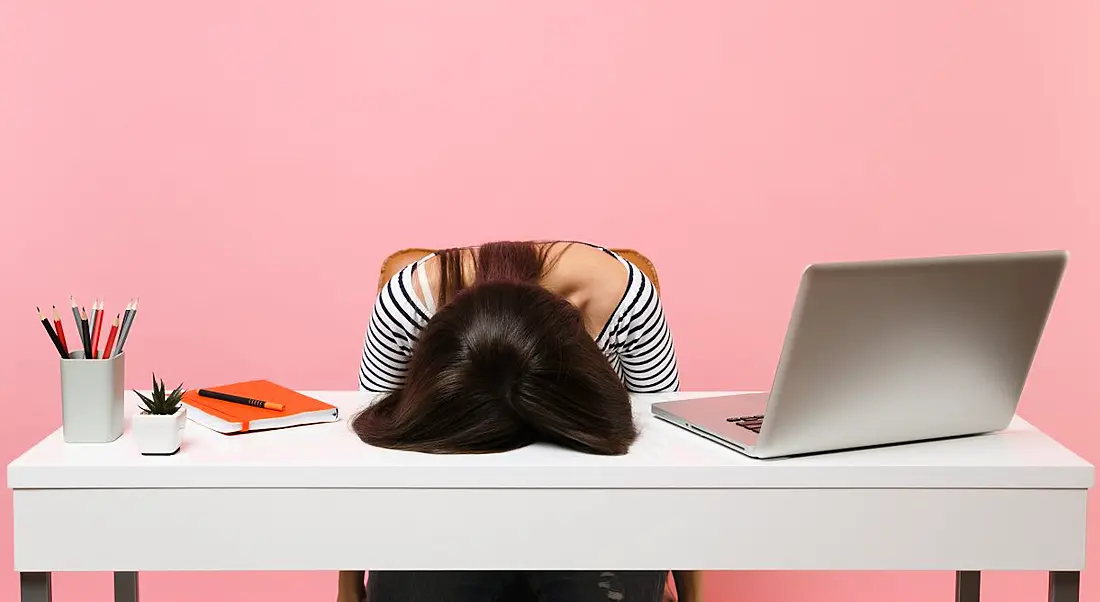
x=750, y=422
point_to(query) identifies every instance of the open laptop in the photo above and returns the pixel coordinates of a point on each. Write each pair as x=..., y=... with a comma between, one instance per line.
x=893, y=351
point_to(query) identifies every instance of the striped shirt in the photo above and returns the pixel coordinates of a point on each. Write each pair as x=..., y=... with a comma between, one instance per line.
x=636, y=338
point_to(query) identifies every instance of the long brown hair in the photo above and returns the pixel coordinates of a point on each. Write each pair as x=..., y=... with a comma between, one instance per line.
x=516, y=262
x=502, y=364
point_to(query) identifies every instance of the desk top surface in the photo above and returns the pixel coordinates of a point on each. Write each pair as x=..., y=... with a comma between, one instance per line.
x=665, y=456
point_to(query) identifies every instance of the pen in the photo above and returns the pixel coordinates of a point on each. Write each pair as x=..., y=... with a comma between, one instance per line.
x=60, y=330
x=248, y=401
x=53, y=335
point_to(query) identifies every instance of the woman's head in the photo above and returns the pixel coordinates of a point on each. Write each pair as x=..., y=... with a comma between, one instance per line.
x=502, y=364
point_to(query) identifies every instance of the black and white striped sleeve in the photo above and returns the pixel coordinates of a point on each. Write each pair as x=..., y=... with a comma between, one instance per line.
x=394, y=324
x=647, y=351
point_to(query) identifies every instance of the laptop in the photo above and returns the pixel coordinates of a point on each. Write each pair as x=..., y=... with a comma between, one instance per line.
x=888, y=352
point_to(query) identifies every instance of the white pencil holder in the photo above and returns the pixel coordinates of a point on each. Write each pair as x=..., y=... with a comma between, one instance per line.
x=92, y=393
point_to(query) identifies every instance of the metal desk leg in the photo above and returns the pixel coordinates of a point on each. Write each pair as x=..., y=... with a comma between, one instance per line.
x=968, y=586
x=1065, y=586
x=126, y=587
x=38, y=587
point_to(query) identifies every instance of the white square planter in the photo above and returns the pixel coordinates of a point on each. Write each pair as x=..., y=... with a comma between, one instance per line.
x=159, y=435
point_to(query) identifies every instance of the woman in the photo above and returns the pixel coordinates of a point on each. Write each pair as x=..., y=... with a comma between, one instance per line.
x=492, y=348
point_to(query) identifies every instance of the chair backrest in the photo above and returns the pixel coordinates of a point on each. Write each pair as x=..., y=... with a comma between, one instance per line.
x=396, y=261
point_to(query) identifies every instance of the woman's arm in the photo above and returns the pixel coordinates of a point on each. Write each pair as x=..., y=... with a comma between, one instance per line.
x=647, y=350
x=387, y=344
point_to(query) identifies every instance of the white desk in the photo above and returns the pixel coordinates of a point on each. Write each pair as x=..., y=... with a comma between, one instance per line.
x=1004, y=502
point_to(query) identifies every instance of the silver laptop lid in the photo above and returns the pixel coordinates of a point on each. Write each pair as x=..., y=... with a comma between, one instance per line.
x=902, y=350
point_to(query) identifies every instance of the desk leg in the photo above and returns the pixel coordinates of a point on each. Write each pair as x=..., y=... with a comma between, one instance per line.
x=126, y=587
x=37, y=587
x=1065, y=586
x=968, y=586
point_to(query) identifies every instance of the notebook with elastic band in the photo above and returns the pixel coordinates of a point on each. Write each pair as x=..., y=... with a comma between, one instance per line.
x=230, y=417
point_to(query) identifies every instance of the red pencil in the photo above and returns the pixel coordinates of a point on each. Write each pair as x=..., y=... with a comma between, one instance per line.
x=97, y=325
x=60, y=330
x=111, y=339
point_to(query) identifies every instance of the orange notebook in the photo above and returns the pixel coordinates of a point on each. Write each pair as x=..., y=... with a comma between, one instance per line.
x=229, y=417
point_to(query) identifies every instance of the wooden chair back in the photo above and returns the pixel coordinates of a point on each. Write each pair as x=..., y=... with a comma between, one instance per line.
x=398, y=260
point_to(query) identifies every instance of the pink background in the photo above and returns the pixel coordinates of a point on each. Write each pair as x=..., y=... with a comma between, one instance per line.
x=245, y=166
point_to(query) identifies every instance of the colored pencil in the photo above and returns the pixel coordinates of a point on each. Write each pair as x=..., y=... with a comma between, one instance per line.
x=248, y=401
x=60, y=330
x=109, y=346
x=87, y=335
x=124, y=326
x=97, y=325
x=125, y=333
x=53, y=336
x=92, y=316
x=76, y=320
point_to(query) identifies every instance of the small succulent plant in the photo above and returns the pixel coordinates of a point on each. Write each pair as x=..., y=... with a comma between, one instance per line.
x=161, y=403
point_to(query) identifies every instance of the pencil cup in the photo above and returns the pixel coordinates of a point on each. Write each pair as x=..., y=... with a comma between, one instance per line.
x=92, y=394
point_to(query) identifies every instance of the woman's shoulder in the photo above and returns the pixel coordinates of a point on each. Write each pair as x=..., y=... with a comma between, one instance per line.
x=591, y=277
x=405, y=289
x=608, y=273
